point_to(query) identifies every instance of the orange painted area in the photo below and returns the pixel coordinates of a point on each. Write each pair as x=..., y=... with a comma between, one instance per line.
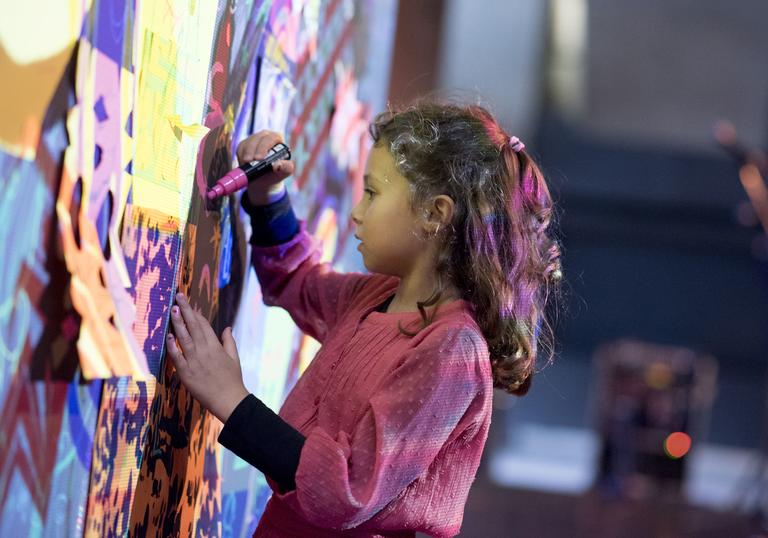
x=181, y=437
x=24, y=102
x=122, y=425
x=102, y=345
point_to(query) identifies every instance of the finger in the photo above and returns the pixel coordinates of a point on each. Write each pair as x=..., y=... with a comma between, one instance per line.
x=180, y=328
x=256, y=147
x=175, y=354
x=228, y=341
x=266, y=142
x=283, y=169
x=247, y=149
x=190, y=320
x=206, y=329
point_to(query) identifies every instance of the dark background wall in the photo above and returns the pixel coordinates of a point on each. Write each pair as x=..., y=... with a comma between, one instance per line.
x=618, y=99
x=654, y=250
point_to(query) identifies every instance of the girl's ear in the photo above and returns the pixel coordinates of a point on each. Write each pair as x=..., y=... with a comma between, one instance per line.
x=438, y=214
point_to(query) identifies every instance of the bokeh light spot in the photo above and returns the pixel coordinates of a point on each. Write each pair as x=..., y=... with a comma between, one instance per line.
x=677, y=445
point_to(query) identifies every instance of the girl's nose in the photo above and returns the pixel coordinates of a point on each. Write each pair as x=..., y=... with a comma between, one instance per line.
x=353, y=215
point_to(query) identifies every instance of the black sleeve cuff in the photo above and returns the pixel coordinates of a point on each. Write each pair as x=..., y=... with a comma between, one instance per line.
x=258, y=435
x=272, y=224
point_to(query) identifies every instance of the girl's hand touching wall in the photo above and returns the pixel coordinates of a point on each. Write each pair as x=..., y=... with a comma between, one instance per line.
x=210, y=371
x=268, y=188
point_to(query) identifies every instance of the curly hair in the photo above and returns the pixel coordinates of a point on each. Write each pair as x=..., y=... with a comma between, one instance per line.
x=498, y=252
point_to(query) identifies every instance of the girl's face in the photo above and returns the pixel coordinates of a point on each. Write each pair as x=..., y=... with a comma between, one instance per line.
x=389, y=230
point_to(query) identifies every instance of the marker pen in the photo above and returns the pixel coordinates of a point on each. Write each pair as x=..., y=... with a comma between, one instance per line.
x=239, y=178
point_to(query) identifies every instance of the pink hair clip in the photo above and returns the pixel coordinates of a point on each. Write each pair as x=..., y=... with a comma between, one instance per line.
x=516, y=143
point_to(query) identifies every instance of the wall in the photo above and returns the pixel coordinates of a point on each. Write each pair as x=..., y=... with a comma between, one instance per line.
x=119, y=116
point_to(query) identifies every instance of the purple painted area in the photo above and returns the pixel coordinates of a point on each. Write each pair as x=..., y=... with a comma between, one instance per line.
x=96, y=155
x=109, y=29
x=208, y=523
x=106, y=133
x=233, y=513
x=125, y=512
x=80, y=432
x=129, y=124
x=55, y=139
x=131, y=262
x=158, y=253
x=225, y=254
x=106, y=454
x=262, y=496
x=124, y=427
x=100, y=110
x=277, y=14
x=160, y=295
x=133, y=421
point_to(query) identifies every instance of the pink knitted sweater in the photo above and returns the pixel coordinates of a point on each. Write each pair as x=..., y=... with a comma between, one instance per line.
x=394, y=425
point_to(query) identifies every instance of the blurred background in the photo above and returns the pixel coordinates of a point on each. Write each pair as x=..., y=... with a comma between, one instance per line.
x=649, y=119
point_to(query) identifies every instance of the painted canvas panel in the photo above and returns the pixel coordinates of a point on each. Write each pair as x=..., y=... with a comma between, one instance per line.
x=115, y=124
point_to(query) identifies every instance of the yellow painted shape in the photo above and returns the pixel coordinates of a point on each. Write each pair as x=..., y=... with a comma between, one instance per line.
x=173, y=58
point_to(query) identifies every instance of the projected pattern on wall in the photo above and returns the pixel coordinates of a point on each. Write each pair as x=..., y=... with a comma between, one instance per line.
x=115, y=123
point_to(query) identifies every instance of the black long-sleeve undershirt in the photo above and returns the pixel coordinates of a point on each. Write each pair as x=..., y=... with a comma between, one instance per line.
x=258, y=435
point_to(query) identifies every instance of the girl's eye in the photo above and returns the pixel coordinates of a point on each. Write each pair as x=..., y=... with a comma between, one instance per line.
x=369, y=192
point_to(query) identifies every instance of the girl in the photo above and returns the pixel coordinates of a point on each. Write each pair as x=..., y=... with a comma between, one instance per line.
x=382, y=435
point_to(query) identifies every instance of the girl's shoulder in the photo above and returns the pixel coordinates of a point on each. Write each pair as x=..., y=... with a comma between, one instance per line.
x=455, y=331
x=454, y=346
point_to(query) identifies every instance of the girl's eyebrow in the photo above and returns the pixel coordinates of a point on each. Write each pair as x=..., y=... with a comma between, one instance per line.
x=368, y=179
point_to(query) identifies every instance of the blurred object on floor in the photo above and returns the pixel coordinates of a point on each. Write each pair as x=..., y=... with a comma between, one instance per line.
x=563, y=460
x=652, y=403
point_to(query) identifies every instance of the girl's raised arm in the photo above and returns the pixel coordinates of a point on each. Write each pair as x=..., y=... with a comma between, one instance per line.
x=291, y=274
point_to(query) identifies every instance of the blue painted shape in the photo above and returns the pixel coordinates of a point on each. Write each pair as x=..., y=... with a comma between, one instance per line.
x=225, y=256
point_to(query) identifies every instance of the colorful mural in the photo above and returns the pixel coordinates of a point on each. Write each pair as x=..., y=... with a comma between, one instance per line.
x=119, y=116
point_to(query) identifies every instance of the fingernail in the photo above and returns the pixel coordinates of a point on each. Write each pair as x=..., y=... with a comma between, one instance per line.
x=175, y=310
x=180, y=296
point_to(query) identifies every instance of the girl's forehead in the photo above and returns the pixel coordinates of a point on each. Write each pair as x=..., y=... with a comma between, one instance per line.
x=381, y=166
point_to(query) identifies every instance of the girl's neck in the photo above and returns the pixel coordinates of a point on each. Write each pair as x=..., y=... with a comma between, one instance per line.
x=418, y=283
x=408, y=295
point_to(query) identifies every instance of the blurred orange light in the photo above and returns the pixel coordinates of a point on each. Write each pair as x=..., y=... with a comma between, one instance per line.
x=659, y=376
x=677, y=445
